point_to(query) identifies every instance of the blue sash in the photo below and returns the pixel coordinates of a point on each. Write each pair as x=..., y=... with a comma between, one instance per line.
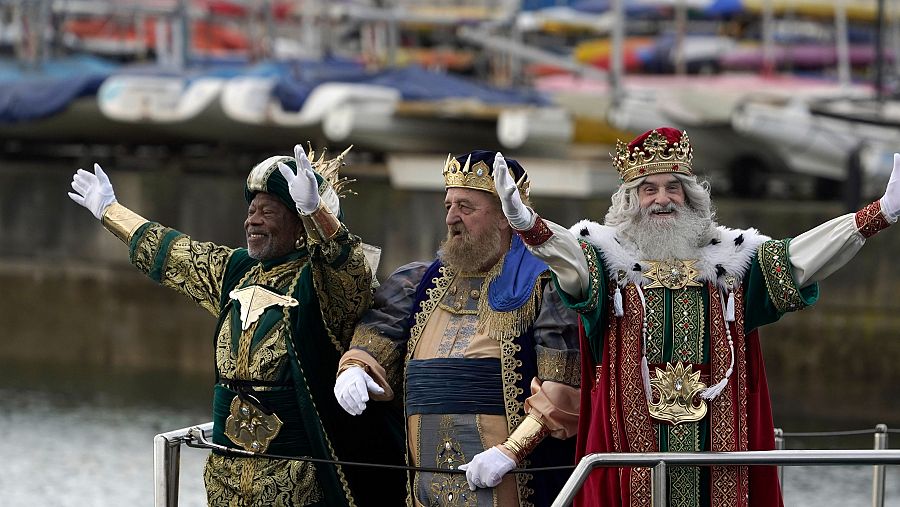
x=454, y=386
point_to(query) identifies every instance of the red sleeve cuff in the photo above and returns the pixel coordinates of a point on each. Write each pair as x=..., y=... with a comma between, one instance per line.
x=870, y=220
x=537, y=235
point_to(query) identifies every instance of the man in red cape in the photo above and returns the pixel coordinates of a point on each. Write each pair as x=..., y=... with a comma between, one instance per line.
x=670, y=302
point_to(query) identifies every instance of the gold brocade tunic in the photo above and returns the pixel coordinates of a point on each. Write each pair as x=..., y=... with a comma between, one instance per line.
x=256, y=350
x=452, y=332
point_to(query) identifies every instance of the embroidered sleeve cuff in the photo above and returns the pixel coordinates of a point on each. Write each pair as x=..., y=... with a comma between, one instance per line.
x=121, y=221
x=321, y=225
x=563, y=366
x=527, y=435
x=357, y=357
x=871, y=219
x=537, y=234
x=775, y=263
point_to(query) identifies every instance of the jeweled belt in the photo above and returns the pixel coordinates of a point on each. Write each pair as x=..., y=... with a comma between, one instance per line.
x=258, y=421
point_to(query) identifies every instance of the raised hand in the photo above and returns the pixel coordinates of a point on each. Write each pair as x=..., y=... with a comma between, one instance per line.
x=93, y=190
x=890, y=203
x=520, y=217
x=487, y=468
x=302, y=186
x=352, y=389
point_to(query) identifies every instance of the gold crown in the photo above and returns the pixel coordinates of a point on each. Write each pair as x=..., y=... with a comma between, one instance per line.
x=654, y=156
x=477, y=176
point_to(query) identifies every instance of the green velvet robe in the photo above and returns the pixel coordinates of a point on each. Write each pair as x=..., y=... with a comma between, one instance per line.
x=287, y=359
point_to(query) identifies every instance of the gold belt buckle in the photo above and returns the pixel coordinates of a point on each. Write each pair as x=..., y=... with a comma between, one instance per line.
x=249, y=427
x=678, y=388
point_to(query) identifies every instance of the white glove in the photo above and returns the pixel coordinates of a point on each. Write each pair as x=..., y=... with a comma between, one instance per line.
x=93, y=190
x=352, y=389
x=302, y=186
x=890, y=203
x=520, y=217
x=487, y=468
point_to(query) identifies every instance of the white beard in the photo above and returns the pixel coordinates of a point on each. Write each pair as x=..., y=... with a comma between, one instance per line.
x=674, y=237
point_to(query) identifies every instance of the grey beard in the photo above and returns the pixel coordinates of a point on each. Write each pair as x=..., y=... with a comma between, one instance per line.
x=678, y=238
x=468, y=253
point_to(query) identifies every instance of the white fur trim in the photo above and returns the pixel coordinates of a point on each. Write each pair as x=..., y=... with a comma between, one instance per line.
x=734, y=258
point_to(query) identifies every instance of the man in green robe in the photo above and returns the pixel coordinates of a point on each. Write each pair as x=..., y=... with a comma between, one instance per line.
x=286, y=307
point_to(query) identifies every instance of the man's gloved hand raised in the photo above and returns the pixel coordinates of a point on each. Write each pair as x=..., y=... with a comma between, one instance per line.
x=302, y=186
x=890, y=203
x=93, y=190
x=520, y=217
x=352, y=389
x=487, y=468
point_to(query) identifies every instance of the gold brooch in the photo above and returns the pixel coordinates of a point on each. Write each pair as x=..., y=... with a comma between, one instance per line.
x=254, y=300
x=677, y=388
x=673, y=274
x=249, y=427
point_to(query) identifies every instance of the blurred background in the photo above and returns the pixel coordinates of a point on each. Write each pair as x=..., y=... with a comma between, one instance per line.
x=792, y=107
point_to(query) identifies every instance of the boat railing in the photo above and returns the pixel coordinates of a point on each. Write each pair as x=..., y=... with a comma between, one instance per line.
x=880, y=433
x=167, y=461
x=658, y=462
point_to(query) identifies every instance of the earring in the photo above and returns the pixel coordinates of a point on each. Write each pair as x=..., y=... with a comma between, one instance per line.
x=298, y=244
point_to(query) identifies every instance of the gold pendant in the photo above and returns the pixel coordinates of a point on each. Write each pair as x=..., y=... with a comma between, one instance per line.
x=677, y=388
x=673, y=274
x=250, y=427
x=254, y=300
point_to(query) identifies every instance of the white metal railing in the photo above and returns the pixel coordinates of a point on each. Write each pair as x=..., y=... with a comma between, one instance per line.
x=167, y=462
x=659, y=461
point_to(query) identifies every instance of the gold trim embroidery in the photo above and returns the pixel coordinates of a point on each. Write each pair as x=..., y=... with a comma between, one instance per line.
x=511, y=324
x=562, y=366
x=195, y=269
x=344, y=293
x=593, y=296
x=684, y=482
x=656, y=316
x=435, y=294
x=147, y=247
x=338, y=468
x=641, y=433
x=776, y=269
x=725, y=416
x=687, y=326
x=382, y=349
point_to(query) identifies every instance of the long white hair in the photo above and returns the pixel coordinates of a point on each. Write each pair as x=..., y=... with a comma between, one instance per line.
x=626, y=205
x=694, y=227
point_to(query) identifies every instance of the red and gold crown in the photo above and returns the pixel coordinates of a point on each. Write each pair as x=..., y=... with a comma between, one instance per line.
x=657, y=151
x=477, y=172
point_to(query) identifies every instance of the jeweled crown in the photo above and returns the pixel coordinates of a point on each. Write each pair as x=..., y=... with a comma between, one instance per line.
x=663, y=150
x=479, y=175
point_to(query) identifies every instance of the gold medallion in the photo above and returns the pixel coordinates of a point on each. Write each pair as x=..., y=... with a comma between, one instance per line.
x=677, y=388
x=673, y=274
x=249, y=427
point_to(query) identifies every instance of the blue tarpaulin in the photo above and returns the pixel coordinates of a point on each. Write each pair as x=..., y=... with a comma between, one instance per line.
x=34, y=93
x=413, y=83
